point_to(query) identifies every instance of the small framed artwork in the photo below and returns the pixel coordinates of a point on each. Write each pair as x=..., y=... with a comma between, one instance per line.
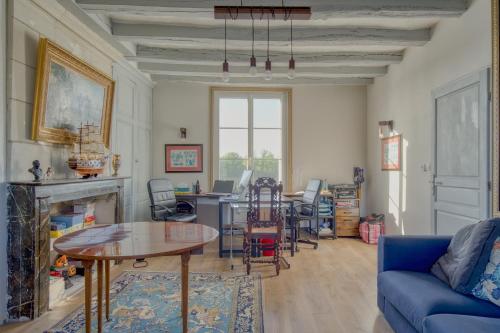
x=183, y=158
x=391, y=153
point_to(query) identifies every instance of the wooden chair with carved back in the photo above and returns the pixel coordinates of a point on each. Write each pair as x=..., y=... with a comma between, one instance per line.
x=264, y=222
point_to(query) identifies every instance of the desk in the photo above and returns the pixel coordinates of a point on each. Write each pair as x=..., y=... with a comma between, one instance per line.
x=215, y=217
x=225, y=202
x=137, y=240
x=207, y=208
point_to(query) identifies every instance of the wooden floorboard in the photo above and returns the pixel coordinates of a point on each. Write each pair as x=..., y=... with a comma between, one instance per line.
x=332, y=289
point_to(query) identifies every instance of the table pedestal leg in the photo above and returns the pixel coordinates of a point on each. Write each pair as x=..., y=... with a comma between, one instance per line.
x=87, y=265
x=185, y=289
x=99, y=296
x=106, y=271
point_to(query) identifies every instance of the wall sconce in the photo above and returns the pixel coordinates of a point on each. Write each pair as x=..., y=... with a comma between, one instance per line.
x=183, y=132
x=386, y=123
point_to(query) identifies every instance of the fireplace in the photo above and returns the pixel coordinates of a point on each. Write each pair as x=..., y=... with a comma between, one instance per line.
x=29, y=207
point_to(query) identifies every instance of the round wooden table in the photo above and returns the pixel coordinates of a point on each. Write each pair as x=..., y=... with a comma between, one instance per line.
x=137, y=240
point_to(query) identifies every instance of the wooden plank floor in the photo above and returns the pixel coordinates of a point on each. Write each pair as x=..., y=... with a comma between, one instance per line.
x=332, y=289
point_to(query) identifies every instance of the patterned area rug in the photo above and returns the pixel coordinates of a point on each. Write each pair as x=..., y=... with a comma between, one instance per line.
x=150, y=302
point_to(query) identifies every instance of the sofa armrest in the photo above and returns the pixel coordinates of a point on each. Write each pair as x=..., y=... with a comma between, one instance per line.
x=410, y=253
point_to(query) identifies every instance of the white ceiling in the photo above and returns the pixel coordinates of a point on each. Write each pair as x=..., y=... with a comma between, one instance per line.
x=345, y=42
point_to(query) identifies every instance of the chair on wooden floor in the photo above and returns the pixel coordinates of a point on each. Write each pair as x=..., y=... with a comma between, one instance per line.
x=264, y=222
x=165, y=207
x=306, y=209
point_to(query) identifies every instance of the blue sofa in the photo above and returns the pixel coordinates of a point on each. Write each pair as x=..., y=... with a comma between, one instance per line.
x=414, y=300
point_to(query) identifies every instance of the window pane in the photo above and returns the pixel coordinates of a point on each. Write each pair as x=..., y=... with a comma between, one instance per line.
x=232, y=170
x=267, y=143
x=233, y=112
x=233, y=143
x=267, y=168
x=267, y=113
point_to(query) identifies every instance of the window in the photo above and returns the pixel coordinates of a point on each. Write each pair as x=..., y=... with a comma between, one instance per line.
x=250, y=132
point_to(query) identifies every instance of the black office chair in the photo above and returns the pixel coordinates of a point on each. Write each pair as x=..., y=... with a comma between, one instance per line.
x=306, y=209
x=164, y=206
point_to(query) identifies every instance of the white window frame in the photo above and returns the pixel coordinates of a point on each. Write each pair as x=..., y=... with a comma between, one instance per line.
x=250, y=95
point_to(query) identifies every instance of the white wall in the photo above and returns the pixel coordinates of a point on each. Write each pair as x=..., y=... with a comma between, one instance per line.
x=30, y=21
x=329, y=126
x=459, y=46
x=177, y=105
x=3, y=155
x=322, y=118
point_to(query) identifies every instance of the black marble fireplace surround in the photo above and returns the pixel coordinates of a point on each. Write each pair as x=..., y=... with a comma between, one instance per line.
x=28, y=245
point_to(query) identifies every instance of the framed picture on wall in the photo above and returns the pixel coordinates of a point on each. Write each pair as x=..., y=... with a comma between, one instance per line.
x=69, y=93
x=183, y=158
x=391, y=153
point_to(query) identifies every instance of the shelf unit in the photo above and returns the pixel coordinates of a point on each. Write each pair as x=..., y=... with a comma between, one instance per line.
x=346, y=198
x=326, y=207
x=347, y=217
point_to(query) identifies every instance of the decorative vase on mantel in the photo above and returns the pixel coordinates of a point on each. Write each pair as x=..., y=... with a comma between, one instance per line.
x=116, y=162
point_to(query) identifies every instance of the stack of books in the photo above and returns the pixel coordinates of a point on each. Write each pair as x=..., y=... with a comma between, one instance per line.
x=344, y=191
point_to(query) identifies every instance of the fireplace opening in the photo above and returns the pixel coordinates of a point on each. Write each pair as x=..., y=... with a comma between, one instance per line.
x=66, y=277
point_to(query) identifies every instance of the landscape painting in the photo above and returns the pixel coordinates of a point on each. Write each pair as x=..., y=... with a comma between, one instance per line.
x=183, y=158
x=72, y=100
x=69, y=93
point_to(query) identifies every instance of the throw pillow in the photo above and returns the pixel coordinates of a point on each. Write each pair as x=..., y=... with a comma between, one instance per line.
x=488, y=287
x=466, y=258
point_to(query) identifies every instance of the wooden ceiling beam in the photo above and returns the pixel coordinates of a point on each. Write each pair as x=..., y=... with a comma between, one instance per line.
x=260, y=80
x=320, y=8
x=242, y=71
x=148, y=54
x=280, y=36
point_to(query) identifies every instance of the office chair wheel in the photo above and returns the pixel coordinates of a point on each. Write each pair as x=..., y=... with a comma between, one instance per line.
x=232, y=267
x=316, y=246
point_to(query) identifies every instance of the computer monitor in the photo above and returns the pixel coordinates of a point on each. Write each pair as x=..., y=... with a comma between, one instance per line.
x=223, y=187
x=244, y=180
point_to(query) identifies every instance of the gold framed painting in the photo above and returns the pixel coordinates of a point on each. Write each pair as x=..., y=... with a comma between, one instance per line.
x=69, y=93
x=495, y=107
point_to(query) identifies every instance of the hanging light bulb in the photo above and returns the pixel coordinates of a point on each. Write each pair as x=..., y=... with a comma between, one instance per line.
x=291, y=62
x=268, y=74
x=225, y=71
x=291, y=69
x=225, y=64
x=253, y=61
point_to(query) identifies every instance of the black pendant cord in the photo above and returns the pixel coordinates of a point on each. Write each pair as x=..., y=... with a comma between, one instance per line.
x=291, y=38
x=225, y=40
x=268, y=38
x=253, y=38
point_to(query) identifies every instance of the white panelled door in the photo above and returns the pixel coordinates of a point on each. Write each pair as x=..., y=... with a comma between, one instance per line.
x=132, y=120
x=461, y=153
x=142, y=156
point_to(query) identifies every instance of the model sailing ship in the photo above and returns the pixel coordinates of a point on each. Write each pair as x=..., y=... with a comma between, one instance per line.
x=89, y=156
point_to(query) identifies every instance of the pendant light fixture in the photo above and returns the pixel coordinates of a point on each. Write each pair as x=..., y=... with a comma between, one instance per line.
x=253, y=61
x=291, y=62
x=268, y=73
x=225, y=64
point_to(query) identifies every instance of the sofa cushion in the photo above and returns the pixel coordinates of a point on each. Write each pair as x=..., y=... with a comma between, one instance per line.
x=488, y=287
x=445, y=323
x=467, y=256
x=417, y=295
